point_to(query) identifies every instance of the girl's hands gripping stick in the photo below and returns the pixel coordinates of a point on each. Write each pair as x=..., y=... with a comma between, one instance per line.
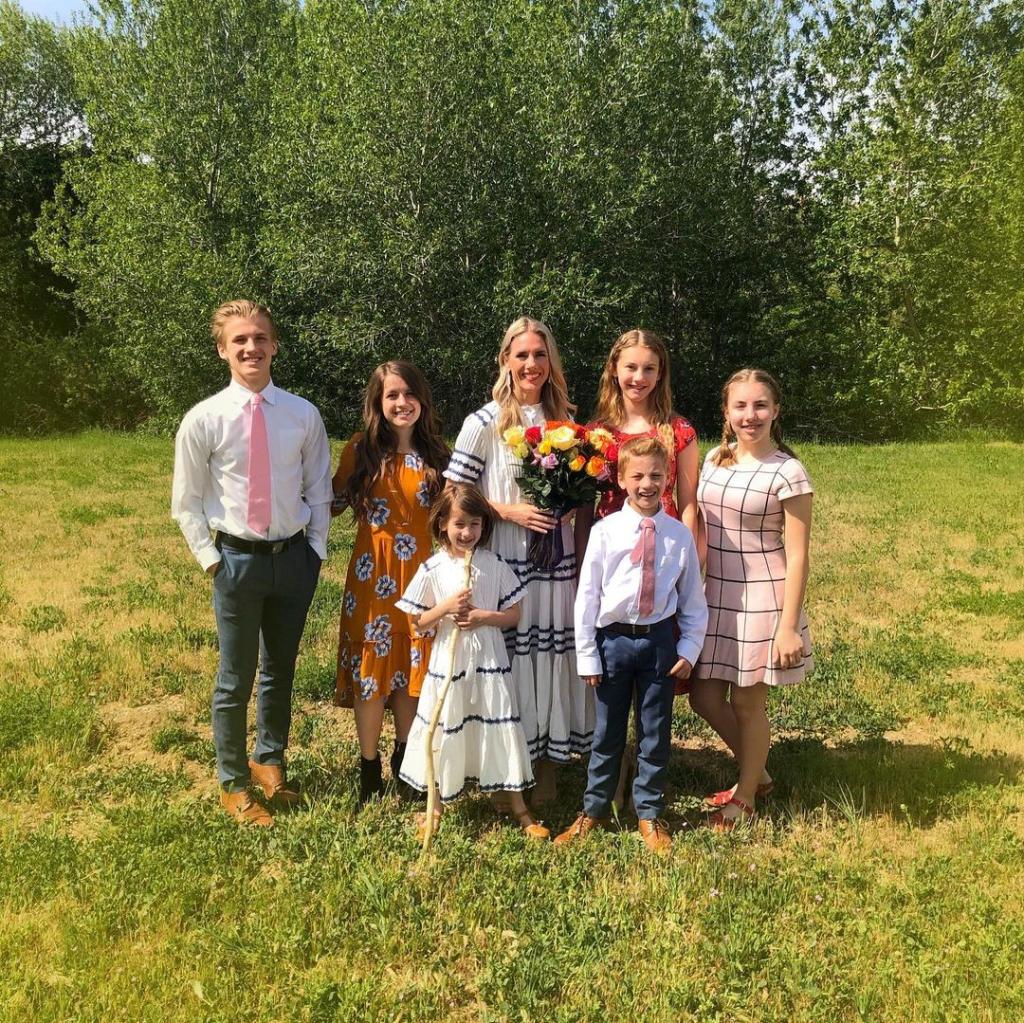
x=451, y=607
x=472, y=617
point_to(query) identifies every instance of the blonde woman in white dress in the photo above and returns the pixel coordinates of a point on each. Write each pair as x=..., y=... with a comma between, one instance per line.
x=555, y=707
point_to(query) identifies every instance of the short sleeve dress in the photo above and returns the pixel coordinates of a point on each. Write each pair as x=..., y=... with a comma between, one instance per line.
x=479, y=738
x=556, y=707
x=746, y=568
x=378, y=649
x=612, y=499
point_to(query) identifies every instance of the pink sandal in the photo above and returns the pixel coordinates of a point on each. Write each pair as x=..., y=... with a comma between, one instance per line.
x=719, y=823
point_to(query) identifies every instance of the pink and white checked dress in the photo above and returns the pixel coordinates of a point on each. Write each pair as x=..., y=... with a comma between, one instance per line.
x=746, y=569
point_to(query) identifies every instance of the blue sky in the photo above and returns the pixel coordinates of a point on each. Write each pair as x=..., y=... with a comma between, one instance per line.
x=58, y=10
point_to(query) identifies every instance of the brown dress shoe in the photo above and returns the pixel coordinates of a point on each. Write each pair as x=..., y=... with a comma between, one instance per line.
x=579, y=829
x=655, y=834
x=271, y=778
x=245, y=809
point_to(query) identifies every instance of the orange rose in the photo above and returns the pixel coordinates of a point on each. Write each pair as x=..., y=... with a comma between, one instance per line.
x=595, y=465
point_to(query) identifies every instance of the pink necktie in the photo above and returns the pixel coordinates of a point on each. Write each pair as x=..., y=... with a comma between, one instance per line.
x=643, y=554
x=258, y=515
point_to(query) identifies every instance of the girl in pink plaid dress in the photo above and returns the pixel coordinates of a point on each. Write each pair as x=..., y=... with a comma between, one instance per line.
x=755, y=496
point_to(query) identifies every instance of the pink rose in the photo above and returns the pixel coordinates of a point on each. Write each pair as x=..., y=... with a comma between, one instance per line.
x=549, y=461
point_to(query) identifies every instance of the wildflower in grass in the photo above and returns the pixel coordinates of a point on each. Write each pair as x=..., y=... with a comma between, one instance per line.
x=405, y=546
x=364, y=567
x=386, y=587
x=714, y=893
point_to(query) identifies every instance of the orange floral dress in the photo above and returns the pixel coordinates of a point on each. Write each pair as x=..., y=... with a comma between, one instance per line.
x=378, y=649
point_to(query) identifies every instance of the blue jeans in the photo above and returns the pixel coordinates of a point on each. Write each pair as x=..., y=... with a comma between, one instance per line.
x=260, y=602
x=635, y=671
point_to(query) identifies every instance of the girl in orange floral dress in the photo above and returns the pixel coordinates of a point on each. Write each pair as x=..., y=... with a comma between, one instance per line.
x=389, y=475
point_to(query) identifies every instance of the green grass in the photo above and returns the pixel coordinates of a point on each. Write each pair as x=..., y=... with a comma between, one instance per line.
x=882, y=882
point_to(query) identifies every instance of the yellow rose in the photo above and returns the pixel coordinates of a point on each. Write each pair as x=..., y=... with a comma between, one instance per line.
x=562, y=438
x=514, y=436
x=600, y=438
x=594, y=466
x=521, y=450
x=577, y=463
x=544, y=447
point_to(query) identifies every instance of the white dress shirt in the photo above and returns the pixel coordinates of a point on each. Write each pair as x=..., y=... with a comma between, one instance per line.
x=211, y=469
x=609, y=585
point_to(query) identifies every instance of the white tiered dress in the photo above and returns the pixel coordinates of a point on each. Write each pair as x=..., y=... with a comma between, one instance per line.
x=479, y=737
x=556, y=707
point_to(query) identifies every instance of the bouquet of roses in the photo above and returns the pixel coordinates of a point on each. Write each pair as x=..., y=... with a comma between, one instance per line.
x=564, y=467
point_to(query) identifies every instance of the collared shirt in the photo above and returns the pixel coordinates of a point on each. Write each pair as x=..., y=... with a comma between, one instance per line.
x=211, y=470
x=609, y=584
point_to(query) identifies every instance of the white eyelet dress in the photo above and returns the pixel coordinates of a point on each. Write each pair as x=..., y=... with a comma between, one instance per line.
x=479, y=739
x=555, y=706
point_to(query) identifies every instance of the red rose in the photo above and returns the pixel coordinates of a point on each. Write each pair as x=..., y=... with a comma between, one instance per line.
x=611, y=453
x=581, y=431
x=533, y=435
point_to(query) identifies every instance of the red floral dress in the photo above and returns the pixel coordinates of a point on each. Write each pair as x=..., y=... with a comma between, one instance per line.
x=612, y=499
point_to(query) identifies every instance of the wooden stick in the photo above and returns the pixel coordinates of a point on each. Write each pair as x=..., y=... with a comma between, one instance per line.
x=435, y=717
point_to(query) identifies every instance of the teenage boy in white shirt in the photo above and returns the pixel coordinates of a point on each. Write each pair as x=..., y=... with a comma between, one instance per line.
x=252, y=494
x=640, y=580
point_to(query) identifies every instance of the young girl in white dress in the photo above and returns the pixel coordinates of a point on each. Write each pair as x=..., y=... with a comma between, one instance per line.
x=479, y=738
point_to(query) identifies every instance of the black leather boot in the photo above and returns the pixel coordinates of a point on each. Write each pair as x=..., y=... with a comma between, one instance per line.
x=397, y=756
x=405, y=791
x=370, y=782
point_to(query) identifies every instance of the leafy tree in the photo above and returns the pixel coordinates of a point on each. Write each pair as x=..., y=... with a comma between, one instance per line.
x=39, y=118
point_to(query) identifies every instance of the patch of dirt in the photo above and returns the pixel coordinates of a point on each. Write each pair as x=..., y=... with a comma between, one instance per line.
x=130, y=732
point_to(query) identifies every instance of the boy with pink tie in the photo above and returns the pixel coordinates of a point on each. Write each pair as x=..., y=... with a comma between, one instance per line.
x=639, y=582
x=252, y=494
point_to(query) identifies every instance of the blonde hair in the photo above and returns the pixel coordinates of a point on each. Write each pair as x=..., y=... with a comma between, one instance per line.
x=554, y=394
x=611, y=410
x=642, y=447
x=725, y=454
x=243, y=307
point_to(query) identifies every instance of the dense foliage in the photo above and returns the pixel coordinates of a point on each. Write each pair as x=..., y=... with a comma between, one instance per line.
x=833, y=190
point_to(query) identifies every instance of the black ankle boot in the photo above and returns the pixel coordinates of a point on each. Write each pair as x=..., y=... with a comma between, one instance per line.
x=405, y=791
x=397, y=756
x=370, y=783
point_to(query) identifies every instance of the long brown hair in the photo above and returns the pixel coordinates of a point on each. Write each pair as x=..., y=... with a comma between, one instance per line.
x=469, y=498
x=725, y=454
x=380, y=442
x=554, y=394
x=611, y=410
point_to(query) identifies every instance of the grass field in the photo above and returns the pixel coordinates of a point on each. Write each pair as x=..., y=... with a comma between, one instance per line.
x=883, y=883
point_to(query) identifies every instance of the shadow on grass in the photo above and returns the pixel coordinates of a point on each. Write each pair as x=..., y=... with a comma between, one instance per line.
x=864, y=778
